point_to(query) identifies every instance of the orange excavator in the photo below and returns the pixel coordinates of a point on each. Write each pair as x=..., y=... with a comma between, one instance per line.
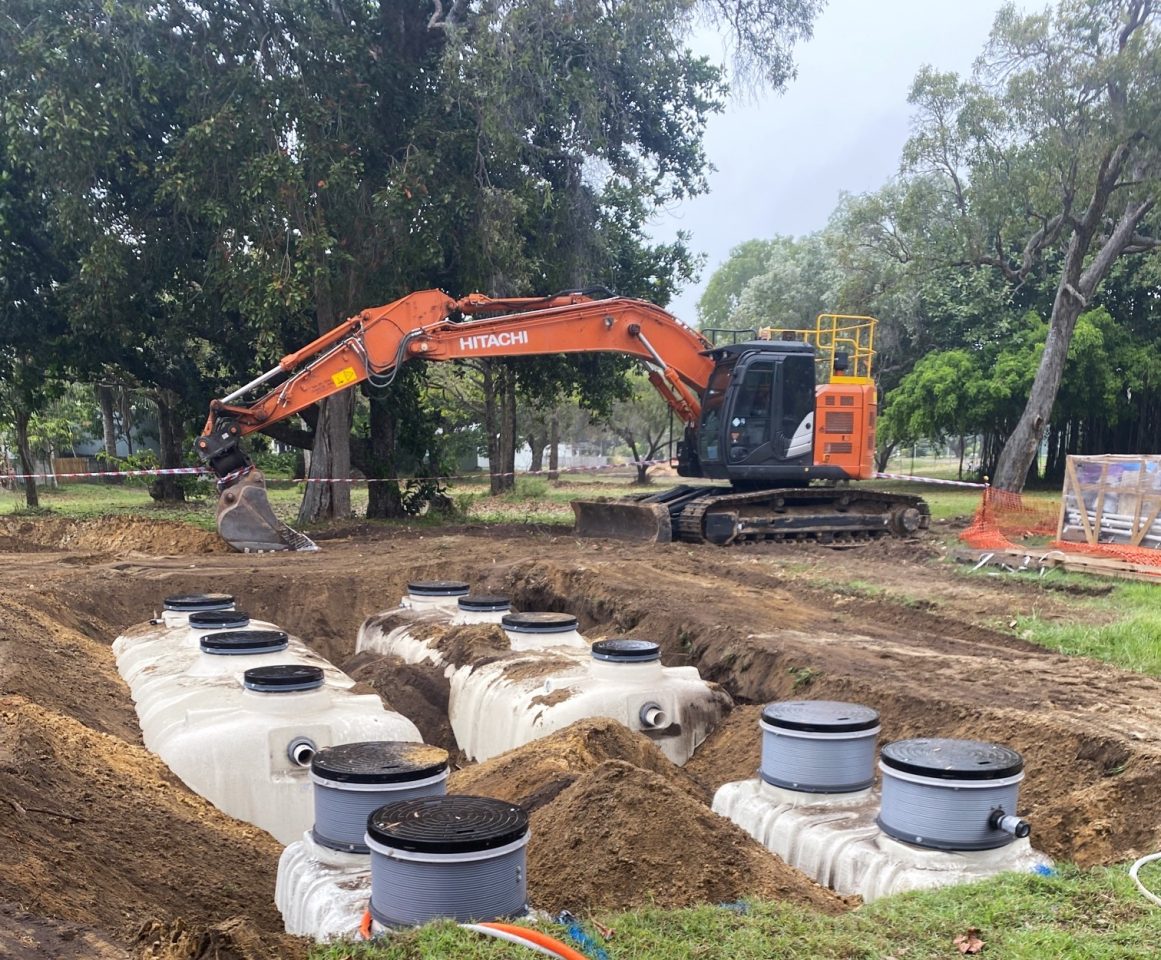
x=784, y=417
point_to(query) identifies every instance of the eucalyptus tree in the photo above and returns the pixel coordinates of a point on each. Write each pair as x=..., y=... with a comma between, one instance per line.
x=1047, y=163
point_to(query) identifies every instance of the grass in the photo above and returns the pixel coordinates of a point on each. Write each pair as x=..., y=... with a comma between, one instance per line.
x=1091, y=914
x=1130, y=637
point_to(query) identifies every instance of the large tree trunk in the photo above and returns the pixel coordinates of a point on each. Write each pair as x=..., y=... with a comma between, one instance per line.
x=168, y=489
x=106, y=400
x=31, y=498
x=330, y=458
x=499, y=387
x=1076, y=287
x=536, y=443
x=554, y=447
x=383, y=500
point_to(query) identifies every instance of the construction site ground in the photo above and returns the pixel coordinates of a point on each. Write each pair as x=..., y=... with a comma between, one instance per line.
x=103, y=853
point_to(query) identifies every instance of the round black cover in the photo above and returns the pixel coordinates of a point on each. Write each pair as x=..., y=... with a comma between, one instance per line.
x=231, y=641
x=378, y=761
x=447, y=824
x=190, y=602
x=283, y=678
x=540, y=622
x=820, y=716
x=484, y=602
x=626, y=650
x=219, y=620
x=437, y=588
x=952, y=759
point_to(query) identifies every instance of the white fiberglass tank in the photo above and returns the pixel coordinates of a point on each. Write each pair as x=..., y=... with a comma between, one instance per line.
x=247, y=748
x=324, y=879
x=425, y=596
x=175, y=615
x=812, y=804
x=163, y=696
x=173, y=648
x=504, y=704
x=541, y=631
x=481, y=608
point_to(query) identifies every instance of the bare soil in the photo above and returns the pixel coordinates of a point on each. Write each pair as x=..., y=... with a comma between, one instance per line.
x=98, y=841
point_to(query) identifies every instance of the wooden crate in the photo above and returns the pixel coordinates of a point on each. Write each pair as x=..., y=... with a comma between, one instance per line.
x=1112, y=499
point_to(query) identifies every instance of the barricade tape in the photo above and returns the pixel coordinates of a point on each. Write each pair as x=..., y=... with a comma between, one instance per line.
x=933, y=480
x=209, y=474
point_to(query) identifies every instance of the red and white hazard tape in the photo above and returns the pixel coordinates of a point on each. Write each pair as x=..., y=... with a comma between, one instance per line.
x=933, y=480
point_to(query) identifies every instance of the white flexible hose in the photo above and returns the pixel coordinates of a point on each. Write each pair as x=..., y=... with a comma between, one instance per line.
x=1152, y=897
x=510, y=937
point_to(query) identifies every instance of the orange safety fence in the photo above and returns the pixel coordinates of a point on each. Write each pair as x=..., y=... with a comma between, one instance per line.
x=1003, y=520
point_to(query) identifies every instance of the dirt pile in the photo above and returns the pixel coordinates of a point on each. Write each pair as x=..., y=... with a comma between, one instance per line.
x=623, y=837
x=419, y=691
x=79, y=801
x=108, y=535
x=732, y=752
x=534, y=774
x=234, y=939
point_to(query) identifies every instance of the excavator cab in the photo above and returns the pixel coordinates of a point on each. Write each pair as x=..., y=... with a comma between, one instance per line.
x=757, y=417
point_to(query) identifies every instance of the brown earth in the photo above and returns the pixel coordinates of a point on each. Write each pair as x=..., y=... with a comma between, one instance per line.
x=123, y=847
x=623, y=837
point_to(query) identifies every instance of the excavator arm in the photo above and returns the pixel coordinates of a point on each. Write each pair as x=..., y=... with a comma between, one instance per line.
x=429, y=325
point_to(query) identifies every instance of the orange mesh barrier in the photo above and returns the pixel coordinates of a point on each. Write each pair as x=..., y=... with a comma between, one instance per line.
x=1004, y=519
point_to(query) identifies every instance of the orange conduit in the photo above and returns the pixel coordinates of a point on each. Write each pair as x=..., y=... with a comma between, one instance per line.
x=541, y=942
x=562, y=950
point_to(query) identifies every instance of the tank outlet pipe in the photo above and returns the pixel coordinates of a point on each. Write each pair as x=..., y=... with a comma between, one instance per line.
x=301, y=751
x=1018, y=827
x=652, y=716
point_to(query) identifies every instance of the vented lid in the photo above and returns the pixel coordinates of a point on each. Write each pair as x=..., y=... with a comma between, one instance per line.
x=539, y=622
x=378, y=761
x=626, y=650
x=219, y=620
x=437, y=588
x=484, y=603
x=447, y=824
x=283, y=678
x=240, y=642
x=820, y=716
x=190, y=602
x=952, y=759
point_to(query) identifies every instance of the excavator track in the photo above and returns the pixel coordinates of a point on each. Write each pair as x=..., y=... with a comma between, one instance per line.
x=703, y=515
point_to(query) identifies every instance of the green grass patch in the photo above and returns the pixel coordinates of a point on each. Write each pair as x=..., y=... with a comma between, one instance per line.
x=1130, y=637
x=1091, y=914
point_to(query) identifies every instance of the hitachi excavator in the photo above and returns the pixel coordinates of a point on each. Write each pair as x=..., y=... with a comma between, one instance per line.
x=785, y=417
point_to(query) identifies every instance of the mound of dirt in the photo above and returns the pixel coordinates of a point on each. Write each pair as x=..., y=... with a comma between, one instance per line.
x=108, y=535
x=80, y=801
x=419, y=691
x=732, y=752
x=534, y=774
x=623, y=837
x=234, y=939
x=476, y=644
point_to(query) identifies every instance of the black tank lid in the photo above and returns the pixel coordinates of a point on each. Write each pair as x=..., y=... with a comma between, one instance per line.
x=539, y=622
x=191, y=602
x=378, y=761
x=626, y=650
x=820, y=716
x=484, y=603
x=220, y=620
x=283, y=678
x=437, y=588
x=239, y=642
x=447, y=824
x=952, y=759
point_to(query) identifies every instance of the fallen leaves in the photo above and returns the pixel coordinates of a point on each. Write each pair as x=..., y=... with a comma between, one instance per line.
x=969, y=942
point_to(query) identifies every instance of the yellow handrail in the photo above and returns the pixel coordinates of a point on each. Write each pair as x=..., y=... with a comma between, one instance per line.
x=835, y=333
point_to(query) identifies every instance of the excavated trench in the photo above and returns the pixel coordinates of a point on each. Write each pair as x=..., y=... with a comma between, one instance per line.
x=101, y=839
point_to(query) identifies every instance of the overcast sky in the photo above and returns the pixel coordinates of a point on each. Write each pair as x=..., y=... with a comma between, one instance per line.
x=840, y=126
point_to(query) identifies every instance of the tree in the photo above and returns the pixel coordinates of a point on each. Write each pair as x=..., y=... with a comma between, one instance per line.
x=642, y=422
x=716, y=306
x=1050, y=158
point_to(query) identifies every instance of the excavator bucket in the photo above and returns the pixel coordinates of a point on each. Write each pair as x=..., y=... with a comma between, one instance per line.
x=623, y=519
x=247, y=522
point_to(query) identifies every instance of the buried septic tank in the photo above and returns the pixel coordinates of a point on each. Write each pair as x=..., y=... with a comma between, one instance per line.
x=501, y=705
x=324, y=878
x=429, y=595
x=842, y=840
x=455, y=857
x=481, y=608
x=247, y=747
